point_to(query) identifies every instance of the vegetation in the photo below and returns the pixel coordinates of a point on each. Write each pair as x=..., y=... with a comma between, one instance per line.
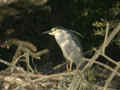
x=30, y=59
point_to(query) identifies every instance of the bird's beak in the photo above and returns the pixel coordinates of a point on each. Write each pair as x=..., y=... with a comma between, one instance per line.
x=46, y=32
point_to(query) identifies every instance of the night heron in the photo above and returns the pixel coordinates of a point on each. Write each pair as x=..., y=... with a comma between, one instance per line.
x=69, y=44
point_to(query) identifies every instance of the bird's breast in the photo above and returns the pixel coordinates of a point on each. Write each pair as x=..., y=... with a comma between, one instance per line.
x=70, y=48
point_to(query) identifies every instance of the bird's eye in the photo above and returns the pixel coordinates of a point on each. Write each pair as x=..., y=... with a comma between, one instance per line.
x=54, y=29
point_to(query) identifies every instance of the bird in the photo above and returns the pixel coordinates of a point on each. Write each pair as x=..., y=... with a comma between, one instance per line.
x=69, y=43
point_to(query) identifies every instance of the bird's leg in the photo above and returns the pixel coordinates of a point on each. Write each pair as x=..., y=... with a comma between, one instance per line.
x=69, y=67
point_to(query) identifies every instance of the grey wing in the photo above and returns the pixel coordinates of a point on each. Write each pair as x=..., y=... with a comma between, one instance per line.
x=76, y=40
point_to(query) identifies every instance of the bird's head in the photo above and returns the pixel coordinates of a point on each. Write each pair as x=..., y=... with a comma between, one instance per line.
x=56, y=31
